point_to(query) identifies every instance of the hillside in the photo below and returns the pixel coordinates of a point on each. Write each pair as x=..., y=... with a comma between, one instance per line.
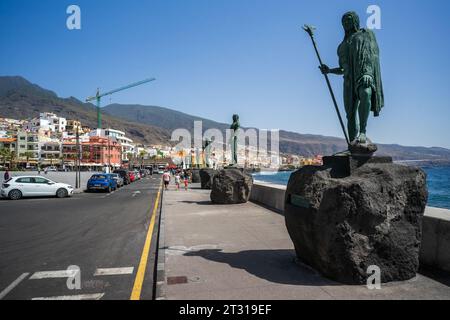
x=290, y=142
x=20, y=99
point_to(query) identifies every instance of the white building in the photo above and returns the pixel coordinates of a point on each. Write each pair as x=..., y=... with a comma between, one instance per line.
x=48, y=122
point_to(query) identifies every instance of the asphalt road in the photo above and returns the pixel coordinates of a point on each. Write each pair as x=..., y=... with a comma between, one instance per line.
x=102, y=234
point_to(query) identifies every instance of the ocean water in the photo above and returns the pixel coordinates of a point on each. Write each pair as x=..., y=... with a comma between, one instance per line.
x=438, y=184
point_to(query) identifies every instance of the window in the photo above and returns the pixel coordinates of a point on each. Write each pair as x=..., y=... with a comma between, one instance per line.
x=41, y=181
x=25, y=180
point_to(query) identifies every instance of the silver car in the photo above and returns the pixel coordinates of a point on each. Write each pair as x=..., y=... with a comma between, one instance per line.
x=119, y=179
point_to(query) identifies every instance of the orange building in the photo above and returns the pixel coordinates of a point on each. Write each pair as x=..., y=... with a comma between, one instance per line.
x=98, y=151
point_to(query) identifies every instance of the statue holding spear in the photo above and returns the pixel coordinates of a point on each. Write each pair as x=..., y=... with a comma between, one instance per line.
x=359, y=63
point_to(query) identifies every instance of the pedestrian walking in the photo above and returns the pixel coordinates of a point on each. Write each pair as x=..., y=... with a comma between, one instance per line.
x=177, y=180
x=166, y=179
x=46, y=170
x=6, y=175
x=186, y=181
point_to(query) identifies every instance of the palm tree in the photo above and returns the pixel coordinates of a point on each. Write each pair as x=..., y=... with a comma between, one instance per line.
x=4, y=152
x=142, y=155
x=11, y=157
x=28, y=155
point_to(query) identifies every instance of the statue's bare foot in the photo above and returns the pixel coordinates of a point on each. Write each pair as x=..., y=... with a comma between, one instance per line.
x=362, y=139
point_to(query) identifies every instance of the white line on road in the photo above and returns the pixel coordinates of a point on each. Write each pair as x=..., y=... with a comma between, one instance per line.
x=113, y=271
x=95, y=296
x=54, y=274
x=13, y=285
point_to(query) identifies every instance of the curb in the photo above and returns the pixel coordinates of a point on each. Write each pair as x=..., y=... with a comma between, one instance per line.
x=160, y=274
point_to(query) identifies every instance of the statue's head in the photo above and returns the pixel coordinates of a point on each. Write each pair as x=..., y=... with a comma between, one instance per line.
x=350, y=22
x=235, y=117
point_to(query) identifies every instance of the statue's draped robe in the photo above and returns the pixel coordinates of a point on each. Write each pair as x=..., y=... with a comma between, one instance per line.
x=359, y=56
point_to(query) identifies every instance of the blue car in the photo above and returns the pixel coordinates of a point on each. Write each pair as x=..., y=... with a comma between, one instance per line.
x=104, y=182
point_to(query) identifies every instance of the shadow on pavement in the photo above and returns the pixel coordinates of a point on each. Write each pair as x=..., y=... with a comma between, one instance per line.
x=202, y=203
x=277, y=266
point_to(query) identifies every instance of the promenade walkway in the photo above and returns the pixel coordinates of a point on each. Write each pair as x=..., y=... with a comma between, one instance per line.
x=244, y=252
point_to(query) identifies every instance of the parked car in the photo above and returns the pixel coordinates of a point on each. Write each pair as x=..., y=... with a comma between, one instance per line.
x=132, y=176
x=119, y=180
x=143, y=172
x=104, y=182
x=124, y=175
x=137, y=175
x=52, y=169
x=35, y=186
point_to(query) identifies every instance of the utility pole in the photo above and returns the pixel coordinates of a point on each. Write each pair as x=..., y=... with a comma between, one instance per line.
x=77, y=161
x=109, y=155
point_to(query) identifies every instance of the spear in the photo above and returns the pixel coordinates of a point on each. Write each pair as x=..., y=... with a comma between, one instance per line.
x=310, y=31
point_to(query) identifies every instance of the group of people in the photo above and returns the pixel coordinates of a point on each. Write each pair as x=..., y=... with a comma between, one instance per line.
x=181, y=177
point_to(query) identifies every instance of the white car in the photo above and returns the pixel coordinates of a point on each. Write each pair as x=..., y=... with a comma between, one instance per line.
x=34, y=186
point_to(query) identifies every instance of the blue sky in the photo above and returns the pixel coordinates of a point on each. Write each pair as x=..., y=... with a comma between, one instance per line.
x=213, y=58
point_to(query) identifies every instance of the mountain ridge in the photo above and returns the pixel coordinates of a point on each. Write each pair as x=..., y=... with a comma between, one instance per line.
x=22, y=99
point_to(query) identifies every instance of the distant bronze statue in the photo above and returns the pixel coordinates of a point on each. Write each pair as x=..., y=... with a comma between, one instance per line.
x=359, y=63
x=235, y=126
x=207, y=144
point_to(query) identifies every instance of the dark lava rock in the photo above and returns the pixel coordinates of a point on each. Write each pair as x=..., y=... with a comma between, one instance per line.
x=231, y=186
x=363, y=149
x=207, y=178
x=195, y=176
x=341, y=226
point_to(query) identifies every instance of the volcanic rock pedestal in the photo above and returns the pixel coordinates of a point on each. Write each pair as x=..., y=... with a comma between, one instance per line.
x=207, y=178
x=231, y=186
x=351, y=214
x=195, y=175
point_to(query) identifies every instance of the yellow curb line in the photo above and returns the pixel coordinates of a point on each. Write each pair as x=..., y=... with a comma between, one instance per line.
x=140, y=275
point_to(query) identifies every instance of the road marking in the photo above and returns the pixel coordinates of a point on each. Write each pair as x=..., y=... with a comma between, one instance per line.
x=113, y=271
x=54, y=274
x=13, y=285
x=95, y=296
x=140, y=275
x=135, y=193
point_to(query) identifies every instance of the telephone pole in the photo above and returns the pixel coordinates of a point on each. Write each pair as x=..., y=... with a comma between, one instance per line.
x=77, y=161
x=109, y=155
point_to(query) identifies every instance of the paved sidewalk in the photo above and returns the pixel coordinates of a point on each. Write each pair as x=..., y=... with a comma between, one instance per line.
x=244, y=252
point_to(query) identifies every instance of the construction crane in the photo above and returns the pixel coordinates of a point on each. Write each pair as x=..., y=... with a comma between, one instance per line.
x=99, y=96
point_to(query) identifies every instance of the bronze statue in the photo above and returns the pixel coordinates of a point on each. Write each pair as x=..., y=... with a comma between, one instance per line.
x=234, y=139
x=207, y=145
x=359, y=63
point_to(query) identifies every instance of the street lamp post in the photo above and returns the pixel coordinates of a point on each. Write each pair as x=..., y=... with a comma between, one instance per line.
x=77, y=161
